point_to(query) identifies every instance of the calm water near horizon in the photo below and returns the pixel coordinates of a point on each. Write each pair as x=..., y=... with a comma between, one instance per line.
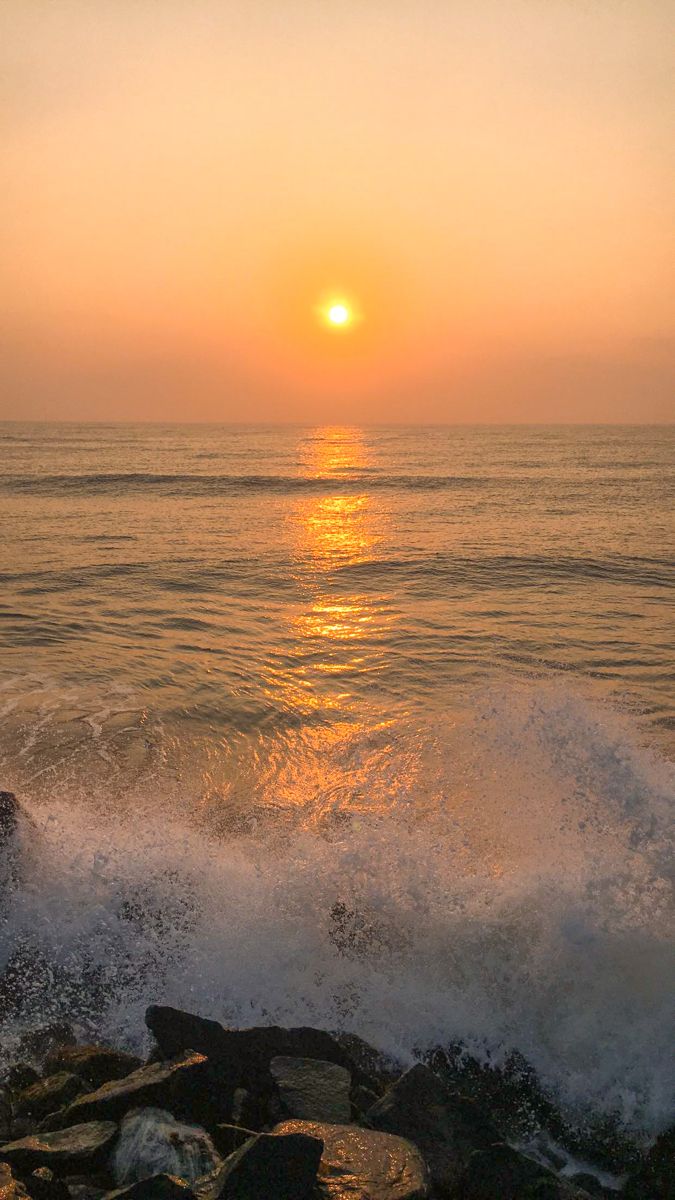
x=422, y=673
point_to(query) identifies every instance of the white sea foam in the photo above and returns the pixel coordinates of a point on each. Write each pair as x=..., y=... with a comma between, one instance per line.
x=514, y=895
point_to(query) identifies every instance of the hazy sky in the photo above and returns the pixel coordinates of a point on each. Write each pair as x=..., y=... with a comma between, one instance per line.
x=489, y=183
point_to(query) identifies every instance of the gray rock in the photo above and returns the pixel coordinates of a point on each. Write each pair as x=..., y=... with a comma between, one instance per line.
x=169, y=1085
x=361, y=1164
x=447, y=1128
x=152, y=1142
x=65, y=1151
x=501, y=1173
x=266, y=1167
x=158, y=1187
x=47, y=1095
x=313, y=1090
x=96, y=1064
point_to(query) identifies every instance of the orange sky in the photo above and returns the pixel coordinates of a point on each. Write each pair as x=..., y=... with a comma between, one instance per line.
x=489, y=182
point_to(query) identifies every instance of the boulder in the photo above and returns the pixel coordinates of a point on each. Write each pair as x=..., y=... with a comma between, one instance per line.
x=312, y=1090
x=44, y=1185
x=66, y=1151
x=48, y=1095
x=177, y=1085
x=654, y=1179
x=152, y=1142
x=501, y=1173
x=362, y=1163
x=158, y=1187
x=95, y=1064
x=447, y=1128
x=266, y=1168
x=10, y=1188
x=37, y=1044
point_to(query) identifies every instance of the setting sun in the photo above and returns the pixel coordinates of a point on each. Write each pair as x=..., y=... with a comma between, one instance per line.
x=339, y=314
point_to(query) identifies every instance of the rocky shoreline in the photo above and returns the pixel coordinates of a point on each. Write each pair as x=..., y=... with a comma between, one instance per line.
x=290, y=1114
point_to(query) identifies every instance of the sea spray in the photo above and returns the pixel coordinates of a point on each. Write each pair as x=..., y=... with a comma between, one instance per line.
x=510, y=895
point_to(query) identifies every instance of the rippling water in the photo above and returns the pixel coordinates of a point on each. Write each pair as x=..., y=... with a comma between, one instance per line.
x=422, y=674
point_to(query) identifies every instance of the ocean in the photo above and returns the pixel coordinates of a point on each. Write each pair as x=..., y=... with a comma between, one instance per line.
x=371, y=728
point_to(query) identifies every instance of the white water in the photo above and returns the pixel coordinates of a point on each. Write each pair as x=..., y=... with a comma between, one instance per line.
x=515, y=897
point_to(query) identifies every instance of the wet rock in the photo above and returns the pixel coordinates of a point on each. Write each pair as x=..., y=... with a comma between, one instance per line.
x=37, y=1044
x=266, y=1168
x=447, y=1128
x=152, y=1142
x=10, y=1188
x=47, y=1095
x=21, y=1076
x=313, y=1090
x=65, y=1151
x=158, y=1187
x=501, y=1173
x=228, y=1138
x=363, y=1163
x=95, y=1064
x=654, y=1179
x=588, y=1183
x=177, y=1085
x=87, y=1187
x=5, y=1115
x=44, y=1185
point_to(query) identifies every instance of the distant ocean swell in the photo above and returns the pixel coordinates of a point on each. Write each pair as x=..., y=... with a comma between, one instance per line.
x=213, y=485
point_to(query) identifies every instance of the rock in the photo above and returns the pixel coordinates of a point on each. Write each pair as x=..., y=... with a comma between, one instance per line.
x=21, y=1076
x=5, y=1115
x=47, y=1095
x=10, y=1188
x=313, y=1090
x=158, y=1187
x=86, y=1187
x=177, y=1085
x=360, y=1164
x=587, y=1183
x=96, y=1064
x=266, y=1168
x=240, y=1058
x=43, y=1185
x=38, y=1043
x=654, y=1179
x=501, y=1173
x=228, y=1138
x=64, y=1151
x=447, y=1128
x=152, y=1142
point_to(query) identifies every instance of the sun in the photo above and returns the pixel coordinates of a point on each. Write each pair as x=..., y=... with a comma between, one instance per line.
x=339, y=314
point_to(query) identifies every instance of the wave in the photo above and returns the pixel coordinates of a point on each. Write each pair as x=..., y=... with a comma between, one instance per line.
x=192, y=485
x=511, y=893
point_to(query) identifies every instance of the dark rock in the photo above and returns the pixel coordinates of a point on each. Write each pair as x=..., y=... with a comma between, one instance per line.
x=43, y=1185
x=501, y=1173
x=21, y=1076
x=654, y=1179
x=158, y=1187
x=152, y=1142
x=587, y=1183
x=64, y=1151
x=266, y=1168
x=177, y=1085
x=87, y=1187
x=10, y=1188
x=96, y=1064
x=361, y=1163
x=313, y=1090
x=228, y=1138
x=38, y=1043
x=47, y=1095
x=241, y=1057
x=374, y=1069
x=5, y=1115
x=363, y=1098
x=446, y=1127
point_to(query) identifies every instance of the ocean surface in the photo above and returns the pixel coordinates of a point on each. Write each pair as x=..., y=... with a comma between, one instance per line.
x=368, y=728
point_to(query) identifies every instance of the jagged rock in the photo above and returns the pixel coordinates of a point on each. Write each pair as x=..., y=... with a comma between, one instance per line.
x=362, y=1163
x=588, y=1183
x=313, y=1090
x=654, y=1179
x=446, y=1127
x=266, y=1168
x=228, y=1138
x=377, y=1070
x=48, y=1095
x=37, y=1044
x=10, y=1188
x=87, y=1187
x=177, y=1085
x=96, y=1064
x=152, y=1142
x=43, y=1185
x=158, y=1187
x=501, y=1173
x=64, y=1151
x=21, y=1076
